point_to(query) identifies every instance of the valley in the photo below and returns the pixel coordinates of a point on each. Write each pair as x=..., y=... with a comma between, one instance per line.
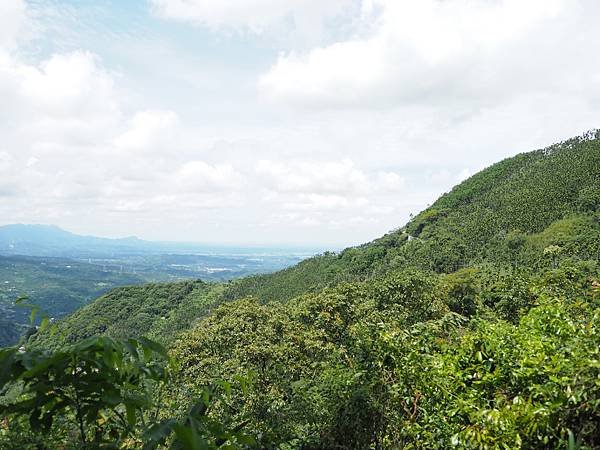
x=61, y=285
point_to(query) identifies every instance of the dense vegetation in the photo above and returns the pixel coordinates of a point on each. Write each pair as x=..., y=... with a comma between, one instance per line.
x=476, y=325
x=155, y=310
x=505, y=215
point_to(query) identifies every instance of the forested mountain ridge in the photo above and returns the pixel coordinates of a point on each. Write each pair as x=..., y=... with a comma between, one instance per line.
x=498, y=215
x=475, y=325
x=156, y=310
x=505, y=215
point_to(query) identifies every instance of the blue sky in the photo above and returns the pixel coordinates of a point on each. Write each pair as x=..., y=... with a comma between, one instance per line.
x=277, y=121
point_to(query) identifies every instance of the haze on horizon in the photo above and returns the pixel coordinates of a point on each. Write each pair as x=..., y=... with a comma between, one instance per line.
x=297, y=122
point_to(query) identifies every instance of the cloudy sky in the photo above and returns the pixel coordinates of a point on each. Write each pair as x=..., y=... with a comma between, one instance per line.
x=277, y=121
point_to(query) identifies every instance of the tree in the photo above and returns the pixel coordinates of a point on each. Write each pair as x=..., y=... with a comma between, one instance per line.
x=553, y=251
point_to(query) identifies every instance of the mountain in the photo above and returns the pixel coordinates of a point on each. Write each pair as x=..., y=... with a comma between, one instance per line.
x=475, y=325
x=505, y=215
x=155, y=310
x=52, y=241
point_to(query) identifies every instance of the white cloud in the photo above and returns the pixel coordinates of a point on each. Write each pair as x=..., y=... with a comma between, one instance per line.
x=254, y=15
x=12, y=18
x=129, y=206
x=71, y=153
x=326, y=193
x=151, y=131
x=32, y=161
x=452, y=52
x=163, y=133
x=326, y=182
x=61, y=104
x=390, y=181
x=68, y=85
x=463, y=175
x=201, y=177
x=5, y=162
x=323, y=202
x=313, y=177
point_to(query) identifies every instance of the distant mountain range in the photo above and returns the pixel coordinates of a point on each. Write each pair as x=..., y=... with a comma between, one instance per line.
x=52, y=241
x=60, y=271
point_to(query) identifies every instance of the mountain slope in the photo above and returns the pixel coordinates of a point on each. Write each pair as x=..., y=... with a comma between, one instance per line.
x=475, y=326
x=491, y=217
x=506, y=216
x=156, y=310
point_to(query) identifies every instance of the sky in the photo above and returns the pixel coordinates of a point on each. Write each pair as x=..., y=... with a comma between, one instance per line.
x=277, y=122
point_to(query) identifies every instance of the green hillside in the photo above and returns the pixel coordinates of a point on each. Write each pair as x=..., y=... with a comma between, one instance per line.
x=57, y=285
x=497, y=216
x=475, y=325
x=155, y=310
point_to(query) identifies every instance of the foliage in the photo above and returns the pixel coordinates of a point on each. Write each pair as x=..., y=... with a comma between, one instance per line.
x=374, y=365
x=100, y=384
x=154, y=310
x=104, y=393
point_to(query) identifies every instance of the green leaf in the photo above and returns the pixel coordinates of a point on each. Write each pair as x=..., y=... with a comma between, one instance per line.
x=158, y=433
x=131, y=414
x=154, y=346
x=112, y=397
x=21, y=299
x=44, y=323
x=32, y=315
x=189, y=439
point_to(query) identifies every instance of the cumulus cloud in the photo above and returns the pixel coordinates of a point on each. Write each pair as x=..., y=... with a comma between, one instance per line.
x=390, y=181
x=313, y=177
x=71, y=152
x=340, y=178
x=59, y=104
x=68, y=85
x=326, y=192
x=5, y=162
x=455, y=52
x=324, y=202
x=111, y=132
